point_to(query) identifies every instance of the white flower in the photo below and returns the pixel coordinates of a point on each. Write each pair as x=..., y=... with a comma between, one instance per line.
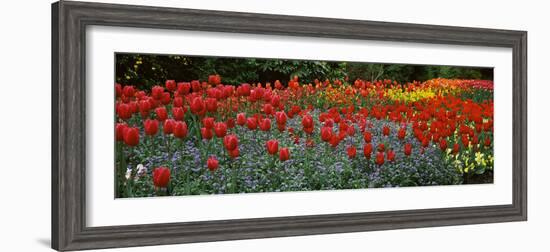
x=141, y=170
x=128, y=173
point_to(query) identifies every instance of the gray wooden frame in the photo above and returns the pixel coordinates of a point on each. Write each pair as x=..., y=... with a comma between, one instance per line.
x=69, y=20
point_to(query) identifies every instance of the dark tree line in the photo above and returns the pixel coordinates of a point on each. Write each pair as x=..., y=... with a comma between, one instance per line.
x=146, y=70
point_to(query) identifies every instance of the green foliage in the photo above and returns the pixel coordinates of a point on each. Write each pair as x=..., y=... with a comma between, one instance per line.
x=145, y=70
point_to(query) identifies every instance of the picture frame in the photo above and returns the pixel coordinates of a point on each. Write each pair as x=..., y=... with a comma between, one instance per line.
x=69, y=21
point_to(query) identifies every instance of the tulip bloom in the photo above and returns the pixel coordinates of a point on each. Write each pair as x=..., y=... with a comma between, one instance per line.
x=180, y=129
x=391, y=155
x=206, y=133
x=124, y=111
x=197, y=106
x=208, y=122
x=456, y=148
x=220, y=129
x=162, y=114
x=131, y=136
x=307, y=121
x=178, y=113
x=165, y=98
x=265, y=124
x=401, y=133
x=251, y=123
x=326, y=134
x=487, y=141
x=156, y=92
x=161, y=176
x=212, y=163
x=234, y=153
x=119, y=132
x=184, y=88
x=352, y=151
x=170, y=85
x=386, y=130
x=214, y=79
x=367, y=136
x=241, y=119
x=178, y=102
x=380, y=158
x=367, y=150
x=443, y=144
x=284, y=154
x=211, y=104
x=231, y=142
x=151, y=127
x=168, y=126
x=280, y=117
x=381, y=147
x=408, y=149
x=128, y=91
x=272, y=146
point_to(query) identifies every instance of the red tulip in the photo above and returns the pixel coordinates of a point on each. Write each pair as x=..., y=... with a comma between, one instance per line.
x=386, y=130
x=367, y=150
x=391, y=155
x=456, y=148
x=157, y=92
x=281, y=118
x=272, y=146
x=231, y=142
x=352, y=151
x=208, y=122
x=265, y=124
x=197, y=106
x=178, y=113
x=170, y=85
x=165, y=99
x=380, y=158
x=212, y=163
x=124, y=111
x=487, y=141
x=251, y=123
x=408, y=149
x=401, y=133
x=151, y=127
x=162, y=114
x=211, y=104
x=196, y=85
x=206, y=133
x=144, y=108
x=307, y=121
x=180, y=129
x=184, y=88
x=326, y=134
x=234, y=153
x=268, y=109
x=367, y=136
x=118, y=90
x=241, y=119
x=284, y=154
x=131, y=136
x=120, y=128
x=381, y=147
x=128, y=91
x=275, y=100
x=214, y=79
x=161, y=176
x=178, y=101
x=443, y=144
x=220, y=129
x=168, y=126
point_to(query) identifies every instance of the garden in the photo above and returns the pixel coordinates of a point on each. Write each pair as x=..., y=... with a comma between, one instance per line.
x=318, y=126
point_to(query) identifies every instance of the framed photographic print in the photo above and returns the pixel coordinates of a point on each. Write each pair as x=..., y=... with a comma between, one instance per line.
x=177, y=125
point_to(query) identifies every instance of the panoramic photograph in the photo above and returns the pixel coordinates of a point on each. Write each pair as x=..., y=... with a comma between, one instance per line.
x=202, y=125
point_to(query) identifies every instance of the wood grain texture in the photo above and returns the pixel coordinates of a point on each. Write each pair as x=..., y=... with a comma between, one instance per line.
x=69, y=21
